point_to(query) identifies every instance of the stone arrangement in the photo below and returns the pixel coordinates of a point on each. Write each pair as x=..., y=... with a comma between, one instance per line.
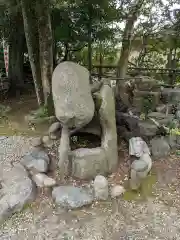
x=75, y=108
x=142, y=164
x=82, y=107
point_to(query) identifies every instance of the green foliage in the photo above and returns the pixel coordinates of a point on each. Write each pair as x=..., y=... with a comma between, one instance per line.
x=42, y=112
x=72, y=21
x=147, y=105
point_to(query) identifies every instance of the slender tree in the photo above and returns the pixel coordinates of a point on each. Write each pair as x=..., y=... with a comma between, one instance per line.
x=32, y=40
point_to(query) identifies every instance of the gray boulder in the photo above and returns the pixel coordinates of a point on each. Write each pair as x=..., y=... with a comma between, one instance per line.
x=71, y=197
x=147, y=159
x=17, y=190
x=161, y=118
x=37, y=160
x=139, y=166
x=172, y=141
x=159, y=147
x=177, y=114
x=148, y=128
x=73, y=102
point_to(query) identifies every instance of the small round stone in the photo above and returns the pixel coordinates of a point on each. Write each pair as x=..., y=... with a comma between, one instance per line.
x=47, y=141
x=117, y=190
x=37, y=142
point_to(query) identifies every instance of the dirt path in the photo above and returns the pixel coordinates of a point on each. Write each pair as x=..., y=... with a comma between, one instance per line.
x=151, y=216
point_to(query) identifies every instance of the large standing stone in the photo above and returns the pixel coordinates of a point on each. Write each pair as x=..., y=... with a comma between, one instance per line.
x=159, y=147
x=101, y=188
x=71, y=197
x=71, y=90
x=87, y=163
x=17, y=190
x=108, y=124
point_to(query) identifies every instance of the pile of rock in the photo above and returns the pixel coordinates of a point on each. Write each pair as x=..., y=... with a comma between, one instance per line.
x=142, y=164
x=75, y=108
x=71, y=197
x=37, y=163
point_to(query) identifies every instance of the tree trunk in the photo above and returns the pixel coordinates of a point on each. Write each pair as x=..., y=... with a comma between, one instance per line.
x=16, y=60
x=90, y=40
x=32, y=40
x=16, y=53
x=143, y=52
x=100, y=60
x=46, y=51
x=66, y=51
x=126, y=42
x=169, y=58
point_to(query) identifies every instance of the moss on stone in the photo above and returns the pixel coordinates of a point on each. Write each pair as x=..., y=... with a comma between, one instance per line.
x=145, y=191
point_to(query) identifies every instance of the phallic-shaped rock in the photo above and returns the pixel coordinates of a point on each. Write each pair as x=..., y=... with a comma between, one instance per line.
x=101, y=190
x=108, y=124
x=73, y=102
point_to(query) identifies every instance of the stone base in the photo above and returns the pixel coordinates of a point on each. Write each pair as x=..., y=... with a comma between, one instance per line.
x=87, y=163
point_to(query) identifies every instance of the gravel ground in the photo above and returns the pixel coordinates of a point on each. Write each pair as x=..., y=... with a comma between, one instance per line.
x=157, y=217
